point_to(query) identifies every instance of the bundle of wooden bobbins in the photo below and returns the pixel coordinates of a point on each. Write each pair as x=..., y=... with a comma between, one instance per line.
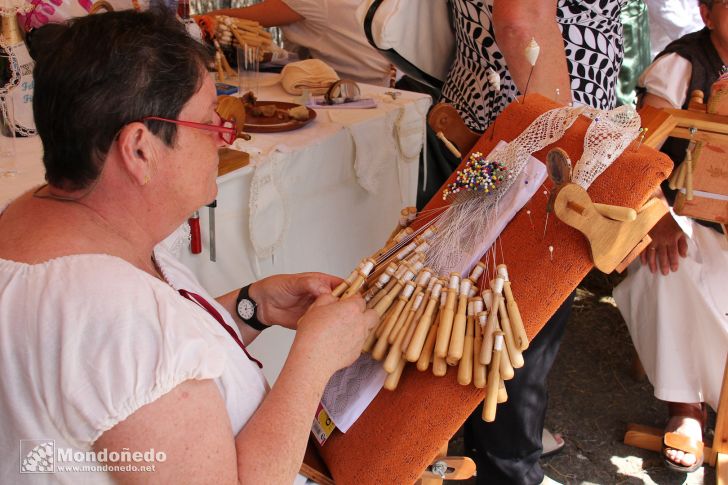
x=231, y=31
x=471, y=323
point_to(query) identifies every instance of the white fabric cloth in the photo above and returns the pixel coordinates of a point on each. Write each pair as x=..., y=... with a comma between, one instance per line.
x=311, y=74
x=86, y=340
x=671, y=19
x=669, y=78
x=679, y=322
x=331, y=33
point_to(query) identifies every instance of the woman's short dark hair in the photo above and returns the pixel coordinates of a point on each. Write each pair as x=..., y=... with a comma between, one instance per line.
x=95, y=74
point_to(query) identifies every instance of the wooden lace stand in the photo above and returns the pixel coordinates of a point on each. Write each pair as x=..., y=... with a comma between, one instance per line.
x=401, y=433
x=710, y=172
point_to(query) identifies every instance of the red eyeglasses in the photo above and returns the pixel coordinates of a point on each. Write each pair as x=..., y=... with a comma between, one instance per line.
x=225, y=129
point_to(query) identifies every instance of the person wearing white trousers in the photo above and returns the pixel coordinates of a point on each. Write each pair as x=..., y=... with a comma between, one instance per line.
x=675, y=300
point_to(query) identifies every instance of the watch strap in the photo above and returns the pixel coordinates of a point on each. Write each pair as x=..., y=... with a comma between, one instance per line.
x=253, y=321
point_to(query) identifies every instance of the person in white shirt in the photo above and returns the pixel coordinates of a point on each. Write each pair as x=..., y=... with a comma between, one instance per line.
x=674, y=301
x=328, y=29
x=669, y=20
x=111, y=352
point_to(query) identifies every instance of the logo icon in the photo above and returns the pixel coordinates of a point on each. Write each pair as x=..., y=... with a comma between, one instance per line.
x=37, y=456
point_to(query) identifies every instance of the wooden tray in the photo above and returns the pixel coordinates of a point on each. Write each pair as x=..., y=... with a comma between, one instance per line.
x=261, y=124
x=231, y=160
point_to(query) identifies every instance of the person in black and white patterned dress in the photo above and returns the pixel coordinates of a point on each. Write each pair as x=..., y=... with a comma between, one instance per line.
x=592, y=38
x=580, y=57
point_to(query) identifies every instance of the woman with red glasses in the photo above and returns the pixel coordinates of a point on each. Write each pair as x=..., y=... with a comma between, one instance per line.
x=110, y=350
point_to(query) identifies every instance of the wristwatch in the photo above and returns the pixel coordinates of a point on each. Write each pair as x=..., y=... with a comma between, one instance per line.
x=247, y=310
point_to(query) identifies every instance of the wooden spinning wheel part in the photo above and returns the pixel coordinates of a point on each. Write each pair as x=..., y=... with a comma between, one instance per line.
x=610, y=241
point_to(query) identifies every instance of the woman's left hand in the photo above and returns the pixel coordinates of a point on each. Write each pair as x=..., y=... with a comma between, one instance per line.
x=283, y=299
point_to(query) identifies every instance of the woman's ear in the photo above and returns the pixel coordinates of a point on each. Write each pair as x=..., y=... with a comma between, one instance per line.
x=138, y=151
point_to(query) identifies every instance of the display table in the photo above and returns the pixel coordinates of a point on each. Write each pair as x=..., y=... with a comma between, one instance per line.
x=319, y=198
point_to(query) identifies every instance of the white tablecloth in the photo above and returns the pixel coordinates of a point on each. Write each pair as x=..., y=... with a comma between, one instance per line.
x=319, y=198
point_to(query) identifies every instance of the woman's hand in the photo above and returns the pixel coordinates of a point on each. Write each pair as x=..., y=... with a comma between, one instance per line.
x=668, y=242
x=333, y=331
x=283, y=299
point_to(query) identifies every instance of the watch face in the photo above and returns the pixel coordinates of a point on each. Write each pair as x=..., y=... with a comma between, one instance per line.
x=246, y=309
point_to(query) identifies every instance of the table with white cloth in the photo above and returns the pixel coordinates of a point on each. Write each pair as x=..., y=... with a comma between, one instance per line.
x=319, y=198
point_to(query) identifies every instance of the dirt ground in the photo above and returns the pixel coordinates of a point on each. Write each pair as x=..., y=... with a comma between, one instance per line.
x=593, y=396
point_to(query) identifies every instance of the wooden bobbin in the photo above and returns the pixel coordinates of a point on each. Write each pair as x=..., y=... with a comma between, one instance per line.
x=390, y=383
x=479, y=373
x=688, y=175
x=398, y=274
x=419, y=311
x=491, y=393
x=384, y=304
x=411, y=323
x=490, y=327
x=514, y=314
x=218, y=67
x=401, y=236
x=406, y=251
x=341, y=288
x=381, y=282
x=446, y=317
x=423, y=361
x=411, y=214
x=384, y=255
x=396, y=353
x=384, y=320
x=227, y=67
x=477, y=272
x=449, y=145
x=402, y=223
x=502, y=393
x=403, y=316
x=465, y=369
x=371, y=338
x=457, y=335
x=507, y=372
x=414, y=350
x=380, y=348
x=515, y=355
x=360, y=279
x=439, y=366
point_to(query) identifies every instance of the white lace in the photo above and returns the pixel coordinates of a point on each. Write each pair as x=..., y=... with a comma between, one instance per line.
x=465, y=223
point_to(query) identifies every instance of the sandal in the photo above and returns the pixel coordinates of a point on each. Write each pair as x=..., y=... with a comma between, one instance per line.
x=681, y=442
x=552, y=443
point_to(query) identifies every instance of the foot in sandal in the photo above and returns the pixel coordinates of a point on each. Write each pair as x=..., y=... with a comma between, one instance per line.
x=682, y=445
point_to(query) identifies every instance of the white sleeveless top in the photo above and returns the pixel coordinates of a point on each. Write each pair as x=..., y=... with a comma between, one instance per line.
x=86, y=340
